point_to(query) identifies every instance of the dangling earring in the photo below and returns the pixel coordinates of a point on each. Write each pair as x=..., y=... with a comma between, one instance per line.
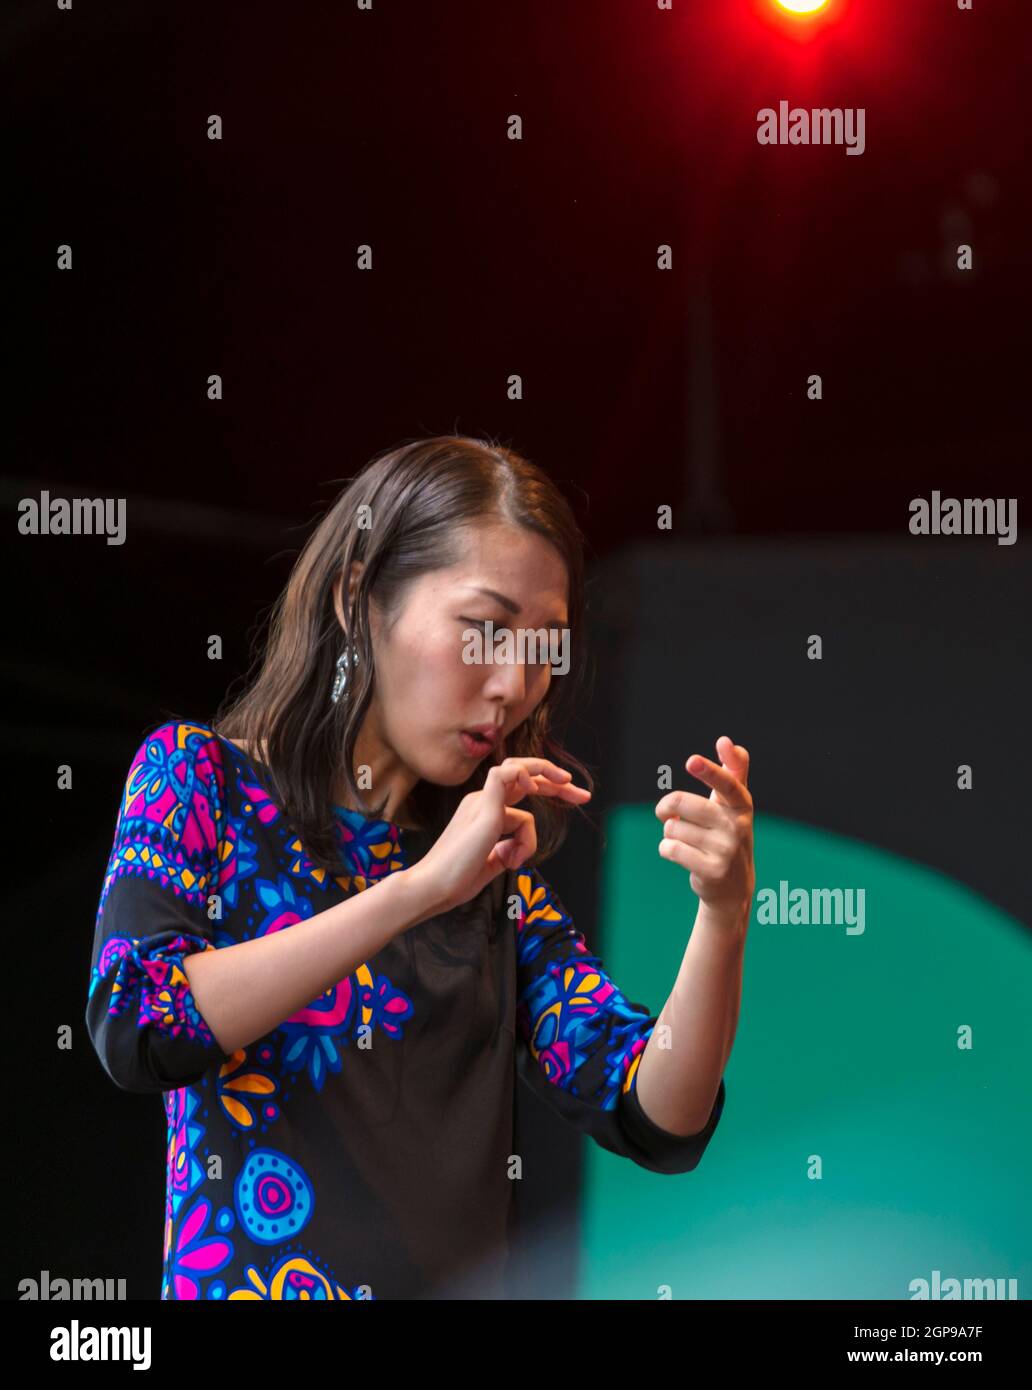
x=340, y=680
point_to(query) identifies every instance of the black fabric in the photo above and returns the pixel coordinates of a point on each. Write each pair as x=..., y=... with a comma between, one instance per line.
x=366, y=1146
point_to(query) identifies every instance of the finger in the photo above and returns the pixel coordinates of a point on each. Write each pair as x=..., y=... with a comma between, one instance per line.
x=497, y=861
x=734, y=757
x=688, y=856
x=725, y=784
x=507, y=784
x=523, y=841
x=567, y=790
x=689, y=806
x=709, y=841
x=540, y=766
x=516, y=782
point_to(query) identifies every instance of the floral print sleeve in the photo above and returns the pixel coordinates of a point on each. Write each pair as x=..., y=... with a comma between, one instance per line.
x=580, y=1040
x=153, y=911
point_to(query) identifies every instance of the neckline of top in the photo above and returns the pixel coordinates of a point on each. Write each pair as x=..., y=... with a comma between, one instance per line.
x=355, y=819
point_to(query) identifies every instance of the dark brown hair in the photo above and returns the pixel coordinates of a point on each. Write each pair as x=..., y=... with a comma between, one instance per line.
x=421, y=495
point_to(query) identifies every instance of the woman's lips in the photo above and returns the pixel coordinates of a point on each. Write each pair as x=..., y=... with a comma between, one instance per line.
x=473, y=745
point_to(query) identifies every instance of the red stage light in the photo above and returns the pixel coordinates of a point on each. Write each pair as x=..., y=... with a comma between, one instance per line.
x=799, y=19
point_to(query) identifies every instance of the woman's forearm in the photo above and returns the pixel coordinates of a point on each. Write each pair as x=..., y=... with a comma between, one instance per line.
x=677, y=1084
x=246, y=990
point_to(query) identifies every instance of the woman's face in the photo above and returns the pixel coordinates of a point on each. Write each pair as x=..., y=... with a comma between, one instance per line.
x=426, y=694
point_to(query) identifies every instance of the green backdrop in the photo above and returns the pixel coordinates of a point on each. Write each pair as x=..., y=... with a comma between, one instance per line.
x=846, y=1048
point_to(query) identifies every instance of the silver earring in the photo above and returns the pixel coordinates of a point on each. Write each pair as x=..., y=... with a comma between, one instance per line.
x=340, y=680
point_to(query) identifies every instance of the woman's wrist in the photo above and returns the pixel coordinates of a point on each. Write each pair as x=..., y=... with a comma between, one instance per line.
x=414, y=896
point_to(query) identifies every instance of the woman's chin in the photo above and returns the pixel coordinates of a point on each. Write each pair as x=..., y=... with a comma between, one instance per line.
x=452, y=774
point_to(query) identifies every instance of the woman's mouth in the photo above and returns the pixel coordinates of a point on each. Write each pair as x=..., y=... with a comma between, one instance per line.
x=473, y=745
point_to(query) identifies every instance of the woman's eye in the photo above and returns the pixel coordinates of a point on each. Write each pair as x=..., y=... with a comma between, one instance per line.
x=542, y=663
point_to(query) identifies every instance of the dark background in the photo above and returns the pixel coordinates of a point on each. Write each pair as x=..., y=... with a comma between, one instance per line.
x=641, y=387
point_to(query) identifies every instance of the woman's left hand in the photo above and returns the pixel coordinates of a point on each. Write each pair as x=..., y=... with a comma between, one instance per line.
x=712, y=836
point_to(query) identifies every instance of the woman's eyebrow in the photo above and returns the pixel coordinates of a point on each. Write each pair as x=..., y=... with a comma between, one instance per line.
x=507, y=602
x=498, y=598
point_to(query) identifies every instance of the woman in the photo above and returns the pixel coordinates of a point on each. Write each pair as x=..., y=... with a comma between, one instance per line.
x=338, y=1065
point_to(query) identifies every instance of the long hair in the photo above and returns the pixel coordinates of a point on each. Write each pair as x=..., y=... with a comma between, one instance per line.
x=420, y=496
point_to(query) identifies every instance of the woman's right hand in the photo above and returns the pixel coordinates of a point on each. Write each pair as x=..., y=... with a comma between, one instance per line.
x=470, y=851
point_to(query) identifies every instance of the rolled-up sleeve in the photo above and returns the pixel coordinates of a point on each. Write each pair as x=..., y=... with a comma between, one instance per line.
x=580, y=1040
x=153, y=912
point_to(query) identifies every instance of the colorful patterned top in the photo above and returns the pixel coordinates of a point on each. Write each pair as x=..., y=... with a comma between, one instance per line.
x=365, y=1147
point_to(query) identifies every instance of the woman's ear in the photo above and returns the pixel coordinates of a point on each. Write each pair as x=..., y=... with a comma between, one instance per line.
x=338, y=589
x=356, y=569
x=338, y=607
